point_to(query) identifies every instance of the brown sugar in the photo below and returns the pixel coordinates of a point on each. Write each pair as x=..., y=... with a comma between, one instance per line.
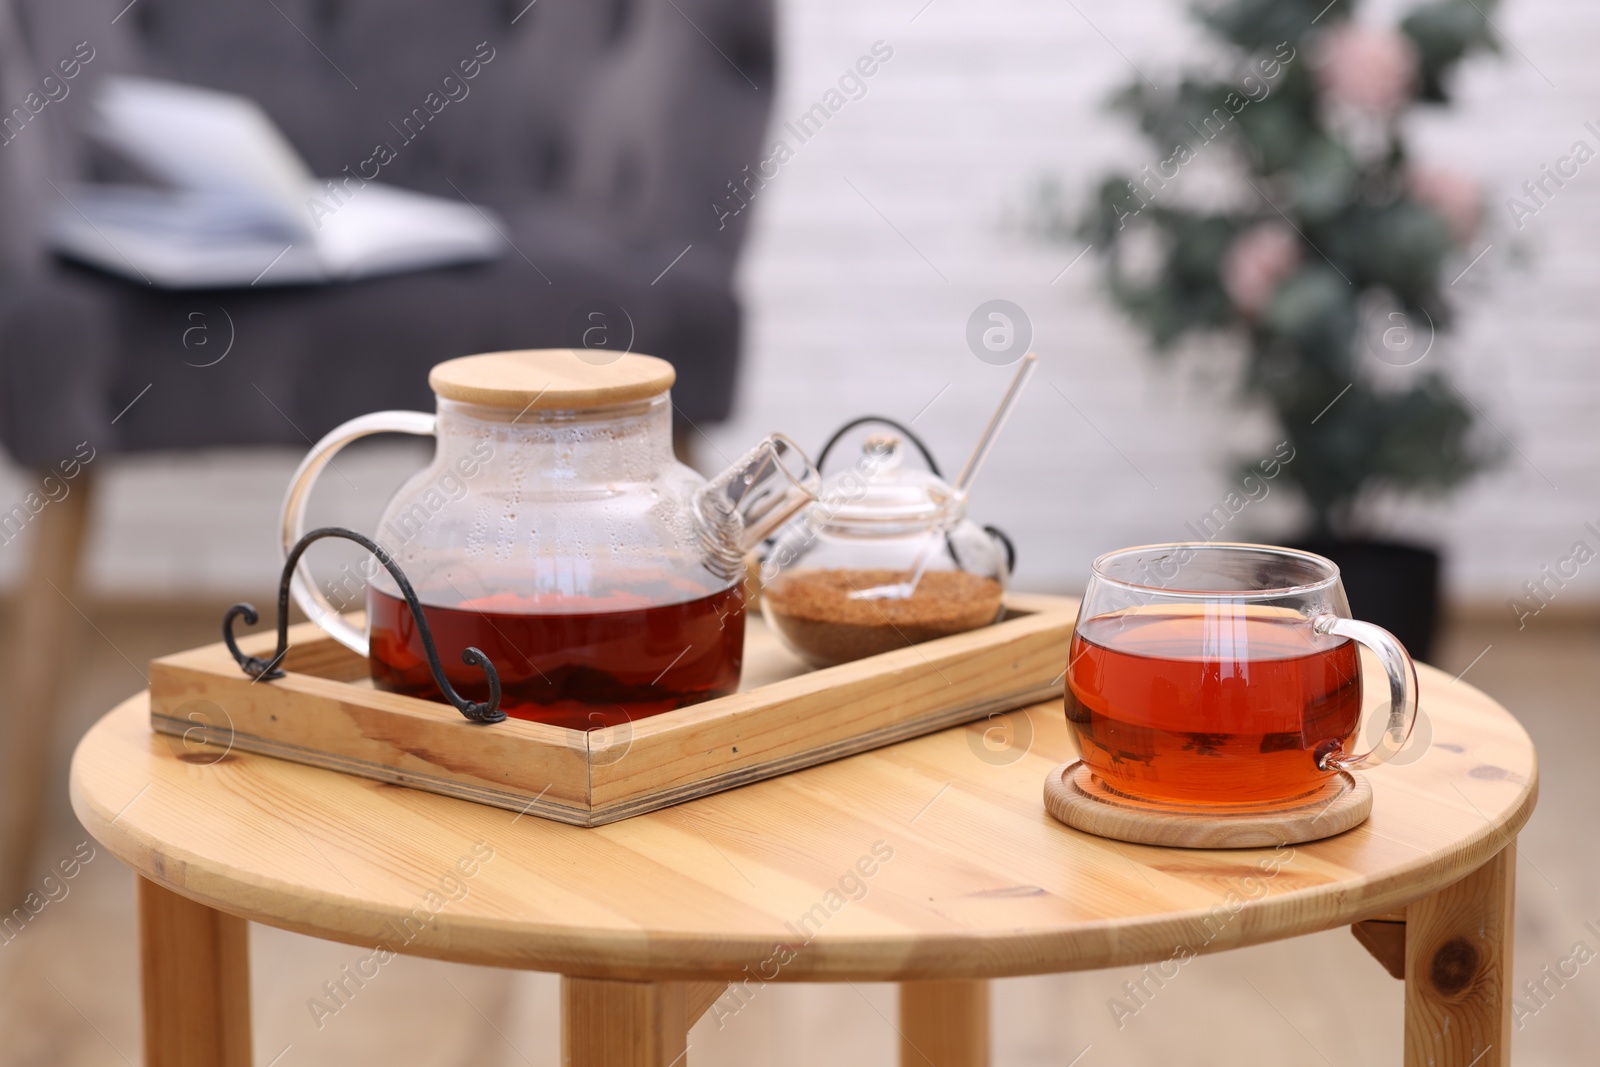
x=814, y=613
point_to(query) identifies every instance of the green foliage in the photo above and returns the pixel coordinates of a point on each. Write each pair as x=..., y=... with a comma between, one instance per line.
x=1254, y=25
x=1444, y=32
x=1343, y=190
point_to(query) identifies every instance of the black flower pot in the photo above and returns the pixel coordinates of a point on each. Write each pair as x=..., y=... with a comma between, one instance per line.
x=1391, y=584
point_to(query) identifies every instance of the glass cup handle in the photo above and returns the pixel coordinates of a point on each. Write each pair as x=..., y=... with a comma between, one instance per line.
x=1402, y=693
x=292, y=520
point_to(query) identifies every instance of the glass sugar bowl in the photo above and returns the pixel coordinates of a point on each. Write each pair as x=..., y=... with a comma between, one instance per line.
x=884, y=558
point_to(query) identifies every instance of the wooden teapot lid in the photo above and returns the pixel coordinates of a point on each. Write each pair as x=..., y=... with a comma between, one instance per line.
x=545, y=379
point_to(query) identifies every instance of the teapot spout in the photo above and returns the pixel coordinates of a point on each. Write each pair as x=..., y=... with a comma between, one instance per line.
x=744, y=504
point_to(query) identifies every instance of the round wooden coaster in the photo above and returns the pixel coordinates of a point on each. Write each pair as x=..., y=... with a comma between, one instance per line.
x=1074, y=796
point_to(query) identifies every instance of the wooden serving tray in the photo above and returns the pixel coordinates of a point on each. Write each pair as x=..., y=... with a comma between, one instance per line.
x=325, y=712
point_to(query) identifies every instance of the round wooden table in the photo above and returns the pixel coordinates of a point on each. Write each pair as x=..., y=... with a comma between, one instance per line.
x=931, y=863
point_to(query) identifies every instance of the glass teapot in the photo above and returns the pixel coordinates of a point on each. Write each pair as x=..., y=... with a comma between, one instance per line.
x=886, y=557
x=555, y=531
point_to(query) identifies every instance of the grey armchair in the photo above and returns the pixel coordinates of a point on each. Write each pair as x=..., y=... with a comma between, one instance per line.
x=601, y=131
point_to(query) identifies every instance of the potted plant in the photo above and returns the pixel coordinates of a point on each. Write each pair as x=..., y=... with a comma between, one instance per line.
x=1329, y=253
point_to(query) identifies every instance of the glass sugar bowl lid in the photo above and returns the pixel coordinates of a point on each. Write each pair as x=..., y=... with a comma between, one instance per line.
x=884, y=558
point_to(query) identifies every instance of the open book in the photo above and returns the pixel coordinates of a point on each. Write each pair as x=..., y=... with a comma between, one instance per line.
x=237, y=206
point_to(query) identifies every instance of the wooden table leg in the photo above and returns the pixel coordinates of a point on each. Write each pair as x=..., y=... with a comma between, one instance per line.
x=36, y=671
x=195, y=965
x=944, y=1024
x=1458, y=970
x=630, y=1024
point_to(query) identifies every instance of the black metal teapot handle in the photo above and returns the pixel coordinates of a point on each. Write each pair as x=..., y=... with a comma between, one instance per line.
x=268, y=669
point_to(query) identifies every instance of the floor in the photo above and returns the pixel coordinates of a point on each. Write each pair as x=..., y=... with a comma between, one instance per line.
x=69, y=979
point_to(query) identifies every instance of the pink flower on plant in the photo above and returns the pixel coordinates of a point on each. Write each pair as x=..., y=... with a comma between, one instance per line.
x=1372, y=70
x=1456, y=197
x=1258, y=260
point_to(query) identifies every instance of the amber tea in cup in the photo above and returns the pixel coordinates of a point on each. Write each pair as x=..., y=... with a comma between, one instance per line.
x=1224, y=674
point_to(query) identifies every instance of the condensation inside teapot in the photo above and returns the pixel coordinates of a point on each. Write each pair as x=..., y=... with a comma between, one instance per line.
x=555, y=531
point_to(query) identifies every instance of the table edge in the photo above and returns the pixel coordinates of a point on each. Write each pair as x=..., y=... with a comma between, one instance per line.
x=637, y=955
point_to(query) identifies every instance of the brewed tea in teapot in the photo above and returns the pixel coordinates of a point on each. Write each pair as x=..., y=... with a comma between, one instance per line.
x=555, y=531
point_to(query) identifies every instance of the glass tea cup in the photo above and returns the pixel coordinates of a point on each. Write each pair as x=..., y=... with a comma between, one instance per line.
x=1225, y=674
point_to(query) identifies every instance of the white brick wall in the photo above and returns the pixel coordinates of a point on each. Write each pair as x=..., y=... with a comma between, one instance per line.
x=847, y=316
